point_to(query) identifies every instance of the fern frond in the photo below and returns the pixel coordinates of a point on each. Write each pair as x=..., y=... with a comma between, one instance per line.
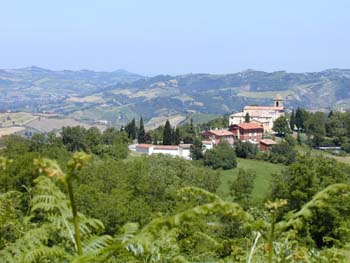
x=152, y=231
x=319, y=200
x=128, y=232
x=53, y=202
x=30, y=246
x=89, y=225
x=94, y=244
x=43, y=252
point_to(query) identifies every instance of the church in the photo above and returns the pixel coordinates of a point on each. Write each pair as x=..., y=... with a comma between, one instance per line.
x=263, y=115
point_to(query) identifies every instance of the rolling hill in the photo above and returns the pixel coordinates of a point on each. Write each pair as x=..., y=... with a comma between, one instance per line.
x=116, y=97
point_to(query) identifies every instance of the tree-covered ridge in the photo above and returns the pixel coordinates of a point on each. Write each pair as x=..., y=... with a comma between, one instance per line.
x=85, y=94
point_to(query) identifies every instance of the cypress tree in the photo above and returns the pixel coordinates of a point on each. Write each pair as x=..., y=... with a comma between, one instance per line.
x=301, y=116
x=141, y=137
x=292, y=120
x=127, y=129
x=177, y=136
x=167, y=134
x=330, y=114
x=247, y=118
x=298, y=119
x=191, y=129
x=133, y=129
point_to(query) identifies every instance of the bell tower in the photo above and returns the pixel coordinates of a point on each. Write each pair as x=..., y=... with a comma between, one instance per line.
x=278, y=101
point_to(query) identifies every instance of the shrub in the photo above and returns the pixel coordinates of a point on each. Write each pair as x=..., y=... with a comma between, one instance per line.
x=245, y=149
x=221, y=156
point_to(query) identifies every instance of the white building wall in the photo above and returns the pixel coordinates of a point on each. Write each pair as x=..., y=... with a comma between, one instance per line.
x=165, y=151
x=144, y=150
x=207, y=147
x=185, y=153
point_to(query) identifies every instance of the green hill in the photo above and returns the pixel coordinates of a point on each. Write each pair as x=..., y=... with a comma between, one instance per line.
x=118, y=96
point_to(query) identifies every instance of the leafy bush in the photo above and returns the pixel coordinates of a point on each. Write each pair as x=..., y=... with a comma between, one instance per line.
x=221, y=156
x=245, y=149
x=346, y=147
x=283, y=153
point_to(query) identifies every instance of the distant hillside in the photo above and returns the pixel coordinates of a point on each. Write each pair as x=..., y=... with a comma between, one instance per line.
x=220, y=94
x=117, y=97
x=33, y=88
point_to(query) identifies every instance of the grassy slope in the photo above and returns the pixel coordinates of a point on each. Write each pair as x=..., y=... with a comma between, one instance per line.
x=264, y=171
x=199, y=118
x=305, y=149
x=265, y=94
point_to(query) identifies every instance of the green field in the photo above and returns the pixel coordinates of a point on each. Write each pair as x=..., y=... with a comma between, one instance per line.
x=115, y=114
x=266, y=94
x=264, y=171
x=313, y=152
x=199, y=118
x=17, y=118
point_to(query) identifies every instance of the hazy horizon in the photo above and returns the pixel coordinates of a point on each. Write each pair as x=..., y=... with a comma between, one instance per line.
x=166, y=37
x=160, y=73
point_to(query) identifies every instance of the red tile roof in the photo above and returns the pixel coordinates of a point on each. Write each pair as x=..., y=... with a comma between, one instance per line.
x=263, y=108
x=221, y=133
x=250, y=126
x=268, y=142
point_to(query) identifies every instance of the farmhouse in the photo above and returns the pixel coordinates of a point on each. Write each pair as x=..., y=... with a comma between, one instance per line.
x=216, y=136
x=263, y=115
x=266, y=144
x=252, y=132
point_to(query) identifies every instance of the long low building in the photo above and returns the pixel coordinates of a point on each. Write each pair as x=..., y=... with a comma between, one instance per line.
x=181, y=150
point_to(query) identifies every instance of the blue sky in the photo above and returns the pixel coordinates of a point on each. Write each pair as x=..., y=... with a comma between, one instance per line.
x=174, y=37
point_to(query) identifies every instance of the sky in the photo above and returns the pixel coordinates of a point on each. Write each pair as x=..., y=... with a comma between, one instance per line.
x=176, y=37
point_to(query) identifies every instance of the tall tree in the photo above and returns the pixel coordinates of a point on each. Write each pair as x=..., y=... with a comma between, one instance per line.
x=242, y=187
x=292, y=120
x=133, y=129
x=177, y=136
x=167, y=134
x=74, y=138
x=191, y=128
x=141, y=137
x=281, y=126
x=247, y=117
x=315, y=127
x=301, y=117
x=330, y=114
x=130, y=129
x=196, y=150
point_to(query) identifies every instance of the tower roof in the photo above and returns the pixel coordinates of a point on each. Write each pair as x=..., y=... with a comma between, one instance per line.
x=278, y=97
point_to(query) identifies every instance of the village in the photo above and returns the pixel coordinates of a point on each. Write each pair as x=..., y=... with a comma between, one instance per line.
x=254, y=124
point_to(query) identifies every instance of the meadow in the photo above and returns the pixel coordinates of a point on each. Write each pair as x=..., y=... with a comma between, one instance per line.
x=264, y=172
x=265, y=94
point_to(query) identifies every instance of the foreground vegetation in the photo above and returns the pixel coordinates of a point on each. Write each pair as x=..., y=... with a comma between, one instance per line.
x=59, y=204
